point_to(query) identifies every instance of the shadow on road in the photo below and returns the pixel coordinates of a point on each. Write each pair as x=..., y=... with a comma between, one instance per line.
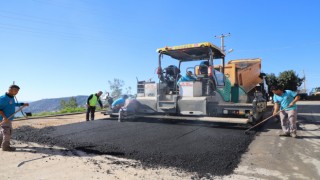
x=308, y=137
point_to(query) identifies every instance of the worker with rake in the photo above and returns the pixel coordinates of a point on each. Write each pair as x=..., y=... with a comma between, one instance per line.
x=7, y=111
x=286, y=101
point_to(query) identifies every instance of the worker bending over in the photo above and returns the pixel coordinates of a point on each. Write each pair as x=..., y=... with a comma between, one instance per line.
x=92, y=101
x=130, y=107
x=118, y=103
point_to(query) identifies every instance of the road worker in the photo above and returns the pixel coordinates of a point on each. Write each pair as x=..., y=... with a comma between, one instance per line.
x=7, y=109
x=92, y=101
x=130, y=108
x=286, y=100
x=118, y=103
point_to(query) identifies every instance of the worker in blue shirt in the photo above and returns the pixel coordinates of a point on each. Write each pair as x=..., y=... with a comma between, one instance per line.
x=187, y=77
x=285, y=100
x=118, y=103
x=7, y=108
x=130, y=107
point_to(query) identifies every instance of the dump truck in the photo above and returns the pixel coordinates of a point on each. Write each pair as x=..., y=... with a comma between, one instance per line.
x=235, y=92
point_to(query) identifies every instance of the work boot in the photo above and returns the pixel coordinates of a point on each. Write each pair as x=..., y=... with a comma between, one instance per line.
x=9, y=149
x=294, y=135
x=1, y=143
x=6, y=146
x=284, y=134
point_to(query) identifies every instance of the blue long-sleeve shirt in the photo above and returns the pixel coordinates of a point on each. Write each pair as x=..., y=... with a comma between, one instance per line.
x=119, y=101
x=8, y=105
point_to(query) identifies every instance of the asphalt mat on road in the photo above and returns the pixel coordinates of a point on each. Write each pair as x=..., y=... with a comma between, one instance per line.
x=201, y=148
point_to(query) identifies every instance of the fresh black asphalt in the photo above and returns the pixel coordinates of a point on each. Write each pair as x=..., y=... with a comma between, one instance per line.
x=202, y=148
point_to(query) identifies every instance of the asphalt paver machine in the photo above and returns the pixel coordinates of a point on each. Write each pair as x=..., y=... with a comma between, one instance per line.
x=235, y=92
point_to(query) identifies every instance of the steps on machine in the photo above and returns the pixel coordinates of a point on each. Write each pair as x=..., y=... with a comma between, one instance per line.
x=167, y=103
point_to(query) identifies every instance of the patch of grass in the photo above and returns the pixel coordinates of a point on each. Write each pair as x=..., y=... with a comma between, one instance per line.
x=72, y=110
x=62, y=111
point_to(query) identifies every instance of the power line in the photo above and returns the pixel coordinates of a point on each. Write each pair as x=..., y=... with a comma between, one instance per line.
x=69, y=6
x=25, y=18
x=222, y=36
x=89, y=30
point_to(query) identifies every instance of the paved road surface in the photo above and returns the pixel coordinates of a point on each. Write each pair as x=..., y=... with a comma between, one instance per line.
x=197, y=148
x=200, y=148
x=272, y=157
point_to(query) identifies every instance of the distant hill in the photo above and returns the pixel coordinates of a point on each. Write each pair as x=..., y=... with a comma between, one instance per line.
x=51, y=105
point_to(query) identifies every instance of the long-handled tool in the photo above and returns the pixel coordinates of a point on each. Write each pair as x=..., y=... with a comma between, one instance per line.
x=246, y=131
x=15, y=97
x=14, y=113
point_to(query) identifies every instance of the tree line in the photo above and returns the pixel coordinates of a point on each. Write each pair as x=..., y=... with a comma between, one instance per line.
x=288, y=80
x=116, y=87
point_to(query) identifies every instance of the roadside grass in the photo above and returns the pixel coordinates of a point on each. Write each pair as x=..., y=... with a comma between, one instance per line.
x=62, y=112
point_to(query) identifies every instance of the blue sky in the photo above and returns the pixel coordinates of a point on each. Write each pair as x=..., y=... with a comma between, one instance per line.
x=59, y=48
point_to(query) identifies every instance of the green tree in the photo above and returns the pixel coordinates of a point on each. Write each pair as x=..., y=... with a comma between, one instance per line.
x=271, y=80
x=289, y=80
x=116, y=87
x=63, y=104
x=72, y=103
x=286, y=80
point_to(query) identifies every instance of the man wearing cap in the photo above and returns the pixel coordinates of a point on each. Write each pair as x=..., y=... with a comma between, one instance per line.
x=7, y=108
x=92, y=101
x=285, y=100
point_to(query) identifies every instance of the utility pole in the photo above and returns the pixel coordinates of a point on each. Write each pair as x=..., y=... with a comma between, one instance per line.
x=222, y=36
x=304, y=81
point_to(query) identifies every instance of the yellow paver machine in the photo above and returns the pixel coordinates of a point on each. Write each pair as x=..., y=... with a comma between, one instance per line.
x=235, y=92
